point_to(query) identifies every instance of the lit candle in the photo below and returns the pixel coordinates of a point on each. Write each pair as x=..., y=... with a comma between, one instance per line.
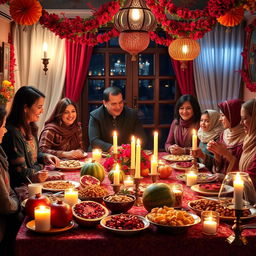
x=191, y=179
x=155, y=153
x=115, y=142
x=194, y=140
x=133, y=153
x=238, y=192
x=137, y=164
x=154, y=165
x=96, y=154
x=45, y=48
x=71, y=196
x=128, y=182
x=178, y=194
x=42, y=218
x=209, y=226
x=116, y=176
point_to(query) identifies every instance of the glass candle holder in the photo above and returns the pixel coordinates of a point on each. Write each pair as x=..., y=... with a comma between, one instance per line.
x=178, y=194
x=71, y=196
x=34, y=188
x=191, y=178
x=96, y=154
x=210, y=222
x=128, y=181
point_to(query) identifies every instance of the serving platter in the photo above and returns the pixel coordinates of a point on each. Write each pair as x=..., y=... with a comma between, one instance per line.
x=201, y=177
x=180, y=168
x=79, y=164
x=59, y=185
x=177, y=158
x=31, y=226
x=196, y=188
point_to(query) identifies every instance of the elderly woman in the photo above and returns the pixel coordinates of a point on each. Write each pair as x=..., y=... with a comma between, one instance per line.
x=62, y=134
x=227, y=151
x=187, y=116
x=20, y=143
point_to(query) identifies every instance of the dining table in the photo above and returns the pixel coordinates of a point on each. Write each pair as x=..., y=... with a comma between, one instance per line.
x=96, y=241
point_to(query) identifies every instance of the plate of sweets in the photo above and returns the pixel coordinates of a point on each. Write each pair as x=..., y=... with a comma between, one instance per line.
x=59, y=185
x=212, y=189
x=201, y=177
x=70, y=165
x=177, y=158
x=183, y=166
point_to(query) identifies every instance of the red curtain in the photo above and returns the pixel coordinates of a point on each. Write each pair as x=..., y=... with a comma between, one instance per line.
x=78, y=60
x=184, y=76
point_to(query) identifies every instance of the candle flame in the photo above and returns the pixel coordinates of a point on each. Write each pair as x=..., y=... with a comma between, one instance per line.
x=138, y=141
x=45, y=47
x=155, y=133
x=133, y=139
x=117, y=167
x=114, y=133
x=238, y=178
x=42, y=207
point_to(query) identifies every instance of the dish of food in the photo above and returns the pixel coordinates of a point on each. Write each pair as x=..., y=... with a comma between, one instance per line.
x=185, y=166
x=204, y=191
x=70, y=165
x=57, y=185
x=31, y=226
x=226, y=213
x=177, y=158
x=201, y=177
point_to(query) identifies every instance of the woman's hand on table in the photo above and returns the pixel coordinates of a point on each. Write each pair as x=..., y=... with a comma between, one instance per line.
x=51, y=160
x=176, y=150
x=73, y=154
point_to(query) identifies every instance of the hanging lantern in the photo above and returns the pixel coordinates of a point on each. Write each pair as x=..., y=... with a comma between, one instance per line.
x=135, y=19
x=232, y=17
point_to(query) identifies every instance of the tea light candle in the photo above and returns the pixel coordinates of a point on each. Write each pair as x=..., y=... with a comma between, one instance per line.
x=153, y=165
x=155, y=153
x=115, y=142
x=45, y=48
x=128, y=182
x=137, y=164
x=194, y=140
x=191, y=179
x=42, y=218
x=71, y=196
x=96, y=154
x=238, y=192
x=209, y=226
x=116, y=180
x=133, y=153
x=178, y=194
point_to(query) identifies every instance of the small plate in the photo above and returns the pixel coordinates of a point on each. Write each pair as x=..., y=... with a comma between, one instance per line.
x=121, y=231
x=177, y=167
x=201, y=177
x=178, y=158
x=62, y=168
x=31, y=226
x=197, y=189
x=55, y=182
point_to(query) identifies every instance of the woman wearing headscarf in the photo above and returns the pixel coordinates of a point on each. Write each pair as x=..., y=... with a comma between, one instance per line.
x=62, y=134
x=227, y=151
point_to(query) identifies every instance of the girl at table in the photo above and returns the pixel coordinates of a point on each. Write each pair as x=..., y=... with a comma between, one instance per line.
x=187, y=117
x=210, y=129
x=228, y=149
x=9, y=203
x=20, y=143
x=62, y=134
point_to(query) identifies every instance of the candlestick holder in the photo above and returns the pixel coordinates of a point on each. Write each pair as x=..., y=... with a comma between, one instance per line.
x=132, y=171
x=116, y=188
x=137, y=183
x=45, y=63
x=154, y=177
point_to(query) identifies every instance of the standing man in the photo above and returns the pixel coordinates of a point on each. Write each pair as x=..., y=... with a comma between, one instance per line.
x=113, y=115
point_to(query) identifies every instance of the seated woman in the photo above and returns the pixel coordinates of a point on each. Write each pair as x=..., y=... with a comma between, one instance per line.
x=228, y=148
x=62, y=134
x=187, y=117
x=210, y=129
x=20, y=143
x=8, y=199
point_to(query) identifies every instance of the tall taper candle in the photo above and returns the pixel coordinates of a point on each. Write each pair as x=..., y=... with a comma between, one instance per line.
x=115, y=142
x=153, y=165
x=238, y=192
x=156, y=145
x=137, y=166
x=133, y=153
x=194, y=140
x=116, y=176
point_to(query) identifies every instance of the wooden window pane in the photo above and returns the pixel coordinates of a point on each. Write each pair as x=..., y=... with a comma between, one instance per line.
x=146, y=113
x=166, y=112
x=146, y=64
x=95, y=89
x=117, y=64
x=97, y=67
x=146, y=89
x=167, y=89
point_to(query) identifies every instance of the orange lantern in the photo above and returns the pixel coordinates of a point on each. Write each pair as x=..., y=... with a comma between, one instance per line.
x=250, y=5
x=232, y=17
x=25, y=12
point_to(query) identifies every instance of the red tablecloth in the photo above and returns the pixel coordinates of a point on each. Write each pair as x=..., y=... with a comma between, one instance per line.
x=97, y=241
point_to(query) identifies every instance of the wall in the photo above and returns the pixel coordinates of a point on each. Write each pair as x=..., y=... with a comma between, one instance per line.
x=5, y=28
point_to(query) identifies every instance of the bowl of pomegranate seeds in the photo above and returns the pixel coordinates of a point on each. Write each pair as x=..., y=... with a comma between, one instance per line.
x=89, y=213
x=125, y=224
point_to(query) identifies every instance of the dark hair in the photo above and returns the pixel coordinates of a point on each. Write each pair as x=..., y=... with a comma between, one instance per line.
x=113, y=90
x=59, y=110
x=194, y=103
x=25, y=96
x=3, y=113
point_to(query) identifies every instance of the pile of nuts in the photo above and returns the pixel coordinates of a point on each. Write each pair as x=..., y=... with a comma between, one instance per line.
x=89, y=210
x=58, y=185
x=92, y=191
x=125, y=222
x=70, y=164
x=119, y=199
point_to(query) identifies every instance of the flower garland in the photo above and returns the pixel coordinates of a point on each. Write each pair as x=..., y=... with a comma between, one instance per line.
x=6, y=91
x=12, y=59
x=3, y=1
x=245, y=72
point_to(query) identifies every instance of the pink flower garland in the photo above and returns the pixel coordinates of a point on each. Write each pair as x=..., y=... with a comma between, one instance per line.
x=12, y=60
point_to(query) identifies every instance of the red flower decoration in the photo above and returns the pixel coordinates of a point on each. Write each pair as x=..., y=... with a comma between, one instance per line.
x=3, y=1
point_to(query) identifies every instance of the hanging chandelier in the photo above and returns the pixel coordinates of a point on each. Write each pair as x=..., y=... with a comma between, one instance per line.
x=134, y=21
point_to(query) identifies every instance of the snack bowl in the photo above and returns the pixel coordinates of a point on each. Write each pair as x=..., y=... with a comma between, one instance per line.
x=89, y=213
x=92, y=193
x=115, y=206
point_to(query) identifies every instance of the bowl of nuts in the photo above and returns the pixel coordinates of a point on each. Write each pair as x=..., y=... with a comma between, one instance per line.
x=89, y=213
x=93, y=193
x=118, y=203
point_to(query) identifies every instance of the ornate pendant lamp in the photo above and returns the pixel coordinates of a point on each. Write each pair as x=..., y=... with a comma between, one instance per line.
x=134, y=21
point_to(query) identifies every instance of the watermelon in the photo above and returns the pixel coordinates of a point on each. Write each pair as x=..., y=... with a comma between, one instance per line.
x=111, y=176
x=158, y=195
x=94, y=169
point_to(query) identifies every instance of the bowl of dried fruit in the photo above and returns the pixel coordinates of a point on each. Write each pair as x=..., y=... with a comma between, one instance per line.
x=119, y=202
x=89, y=213
x=92, y=193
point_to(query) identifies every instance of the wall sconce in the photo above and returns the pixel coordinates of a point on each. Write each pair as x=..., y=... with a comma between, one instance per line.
x=45, y=59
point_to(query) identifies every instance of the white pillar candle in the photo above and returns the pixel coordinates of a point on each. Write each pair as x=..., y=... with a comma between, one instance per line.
x=45, y=48
x=238, y=192
x=209, y=226
x=71, y=196
x=34, y=188
x=96, y=154
x=154, y=165
x=42, y=218
x=115, y=142
x=137, y=165
x=116, y=180
x=133, y=153
x=155, y=153
x=194, y=140
x=178, y=194
x=191, y=179
x=128, y=182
